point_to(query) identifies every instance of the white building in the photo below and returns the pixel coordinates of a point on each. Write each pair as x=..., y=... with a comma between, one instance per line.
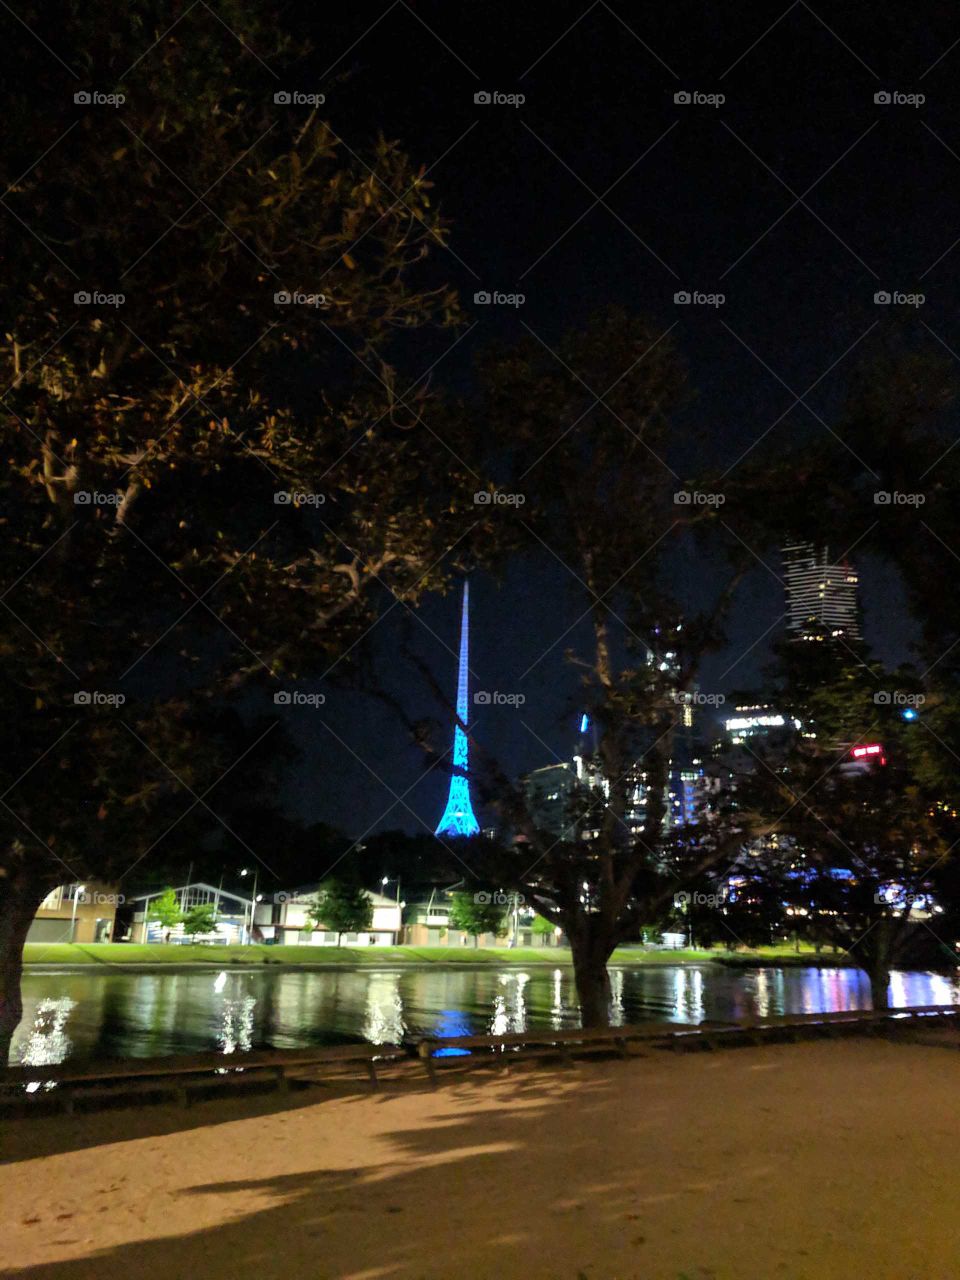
x=233, y=915
x=285, y=917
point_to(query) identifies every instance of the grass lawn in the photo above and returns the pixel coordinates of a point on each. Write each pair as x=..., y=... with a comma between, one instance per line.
x=139, y=953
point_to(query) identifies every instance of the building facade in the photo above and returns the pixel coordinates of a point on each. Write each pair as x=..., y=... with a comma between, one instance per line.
x=286, y=921
x=821, y=597
x=233, y=916
x=76, y=913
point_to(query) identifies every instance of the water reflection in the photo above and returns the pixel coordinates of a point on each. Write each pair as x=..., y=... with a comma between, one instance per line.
x=146, y=1014
x=47, y=1043
x=384, y=1009
x=509, y=1007
x=236, y=1025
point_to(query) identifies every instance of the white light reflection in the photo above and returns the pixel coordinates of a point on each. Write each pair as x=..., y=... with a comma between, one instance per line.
x=688, y=994
x=556, y=1009
x=510, y=1005
x=47, y=1043
x=383, y=1023
x=236, y=1025
x=616, y=998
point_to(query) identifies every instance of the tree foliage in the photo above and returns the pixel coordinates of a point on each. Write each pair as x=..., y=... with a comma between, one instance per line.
x=475, y=912
x=342, y=907
x=163, y=406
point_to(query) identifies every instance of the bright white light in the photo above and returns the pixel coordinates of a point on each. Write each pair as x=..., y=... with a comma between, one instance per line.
x=754, y=722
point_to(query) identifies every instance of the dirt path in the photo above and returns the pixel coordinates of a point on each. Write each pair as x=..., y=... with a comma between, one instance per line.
x=802, y=1162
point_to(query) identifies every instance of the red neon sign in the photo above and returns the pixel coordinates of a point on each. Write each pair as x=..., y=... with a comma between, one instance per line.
x=869, y=749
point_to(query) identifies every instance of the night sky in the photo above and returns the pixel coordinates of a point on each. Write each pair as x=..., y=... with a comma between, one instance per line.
x=797, y=198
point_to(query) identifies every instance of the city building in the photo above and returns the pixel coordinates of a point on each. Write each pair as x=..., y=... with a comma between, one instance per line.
x=821, y=597
x=285, y=919
x=233, y=916
x=549, y=791
x=757, y=721
x=76, y=913
x=427, y=924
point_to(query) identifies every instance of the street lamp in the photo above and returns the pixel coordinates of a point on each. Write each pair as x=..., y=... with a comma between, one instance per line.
x=385, y=880
x=245, y=871
x=77, y=890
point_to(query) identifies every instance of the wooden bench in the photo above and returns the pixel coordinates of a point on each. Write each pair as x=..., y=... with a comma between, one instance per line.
x=537, y=1043
x=677, y=1035
x=178, y=1075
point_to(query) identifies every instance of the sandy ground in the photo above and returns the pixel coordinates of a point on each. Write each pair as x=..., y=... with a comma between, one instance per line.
x=792, y=1162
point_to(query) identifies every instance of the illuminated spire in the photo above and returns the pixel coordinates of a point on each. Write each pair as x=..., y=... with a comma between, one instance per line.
x=458, y=817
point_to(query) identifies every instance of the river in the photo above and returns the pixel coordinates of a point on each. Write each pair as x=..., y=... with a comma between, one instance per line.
x=106, y=1015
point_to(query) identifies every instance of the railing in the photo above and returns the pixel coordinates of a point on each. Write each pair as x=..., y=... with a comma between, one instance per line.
x=182, y=1076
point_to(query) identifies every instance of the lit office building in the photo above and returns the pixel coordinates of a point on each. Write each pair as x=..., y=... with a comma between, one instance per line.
x=821, y=597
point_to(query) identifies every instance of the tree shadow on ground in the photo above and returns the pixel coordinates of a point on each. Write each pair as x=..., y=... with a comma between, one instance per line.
x=26, y=1137
x=451, y=1198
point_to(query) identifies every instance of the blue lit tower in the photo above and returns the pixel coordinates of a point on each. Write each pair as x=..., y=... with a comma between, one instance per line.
x=458, y=817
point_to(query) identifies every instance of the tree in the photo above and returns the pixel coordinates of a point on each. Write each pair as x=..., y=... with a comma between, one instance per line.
x=476, y=913
x=582, y=435
x=200, y=919
x=209, y=470
x=869, y=834
x=342, y=907
x=165, y=909
x=542, y=928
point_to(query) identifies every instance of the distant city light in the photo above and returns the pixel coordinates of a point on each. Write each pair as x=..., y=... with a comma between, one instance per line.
x=754, y=722
x=584, y=723
x=908, y=713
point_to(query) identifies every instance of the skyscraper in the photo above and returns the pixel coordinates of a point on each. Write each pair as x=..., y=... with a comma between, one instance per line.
x=821, y=597
x=458, y=817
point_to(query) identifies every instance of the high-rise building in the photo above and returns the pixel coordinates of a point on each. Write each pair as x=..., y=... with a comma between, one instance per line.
x=821, y=597
x=458, y=817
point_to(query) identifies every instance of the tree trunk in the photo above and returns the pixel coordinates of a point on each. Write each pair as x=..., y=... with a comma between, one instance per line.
x=19, y=900
x=879, y=987
x=592, y=979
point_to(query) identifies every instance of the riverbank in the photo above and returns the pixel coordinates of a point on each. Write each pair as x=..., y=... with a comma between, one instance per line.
x=734, y=1166
x=110, y=955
